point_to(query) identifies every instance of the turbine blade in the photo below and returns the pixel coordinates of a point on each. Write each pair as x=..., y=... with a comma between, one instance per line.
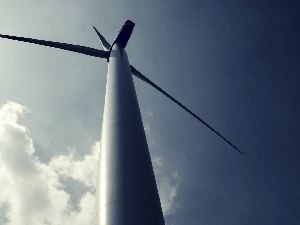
x=136, y=73
x=104, y=43
x=69, y=47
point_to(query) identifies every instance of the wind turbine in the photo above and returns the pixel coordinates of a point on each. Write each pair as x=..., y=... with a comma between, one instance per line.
x=126, y=191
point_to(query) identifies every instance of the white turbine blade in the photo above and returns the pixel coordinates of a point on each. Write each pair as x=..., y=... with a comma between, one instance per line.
x=105, y=44
x=136, y=73
x=69, y=47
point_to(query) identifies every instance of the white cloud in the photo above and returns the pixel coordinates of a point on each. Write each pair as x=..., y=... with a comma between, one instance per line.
x=168, y=183
x=31, y=191
x=149, y=113
x=83, y=171
x=167, y=179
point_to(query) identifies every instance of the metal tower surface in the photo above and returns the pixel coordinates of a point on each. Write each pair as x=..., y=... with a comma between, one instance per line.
x=126, y=186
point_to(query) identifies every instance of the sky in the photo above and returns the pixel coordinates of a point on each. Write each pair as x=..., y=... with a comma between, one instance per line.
x=233, y=63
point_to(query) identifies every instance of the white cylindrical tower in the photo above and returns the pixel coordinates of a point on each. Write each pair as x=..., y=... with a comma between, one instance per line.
x=126, y=187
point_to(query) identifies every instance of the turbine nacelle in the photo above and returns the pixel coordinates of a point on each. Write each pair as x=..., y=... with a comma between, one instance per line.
x=121, y=38
x=124, y=34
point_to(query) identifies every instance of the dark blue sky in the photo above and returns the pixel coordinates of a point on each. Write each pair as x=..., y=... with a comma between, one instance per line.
x=236, y=64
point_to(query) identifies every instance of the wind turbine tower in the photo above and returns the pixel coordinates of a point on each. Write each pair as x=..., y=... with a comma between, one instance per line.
x=126, y=192
x=126, y=188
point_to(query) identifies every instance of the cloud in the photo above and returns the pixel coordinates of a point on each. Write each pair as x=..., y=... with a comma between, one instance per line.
x=31, y=191
x=167, y=177
x=36, y=193
x=83, y=171
x=168, y=183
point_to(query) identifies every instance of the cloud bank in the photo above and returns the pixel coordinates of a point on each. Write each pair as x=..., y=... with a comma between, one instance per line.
x=31, y=191
x=34, y=192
